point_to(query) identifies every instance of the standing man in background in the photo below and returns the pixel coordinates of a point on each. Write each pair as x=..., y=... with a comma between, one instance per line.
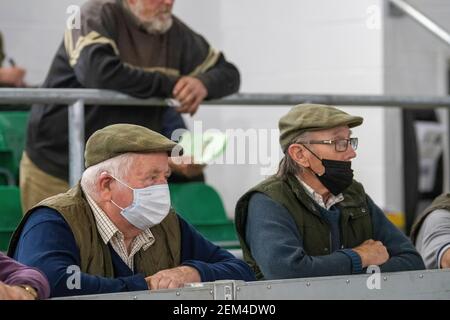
x=136, y=47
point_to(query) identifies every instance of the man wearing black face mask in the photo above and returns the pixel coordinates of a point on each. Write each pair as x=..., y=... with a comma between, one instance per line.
x=115, y=230
x=312, y=219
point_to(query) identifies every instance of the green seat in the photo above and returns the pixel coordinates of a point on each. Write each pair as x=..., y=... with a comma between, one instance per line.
x=202, y=207
x=10, y=213
x=13, y=126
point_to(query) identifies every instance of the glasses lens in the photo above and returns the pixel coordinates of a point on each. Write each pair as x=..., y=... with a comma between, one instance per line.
x=354, y=143
x=341, y=145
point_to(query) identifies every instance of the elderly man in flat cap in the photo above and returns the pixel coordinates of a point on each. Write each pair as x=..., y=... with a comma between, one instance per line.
x=312, y=219
x=116, y=231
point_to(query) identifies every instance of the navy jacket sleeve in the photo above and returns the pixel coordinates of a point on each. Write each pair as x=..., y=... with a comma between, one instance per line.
x=212, y=262
x=403, y=255
x=277, y=246
x=48, y=244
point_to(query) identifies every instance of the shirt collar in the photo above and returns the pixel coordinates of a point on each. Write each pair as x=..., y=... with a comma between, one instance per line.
x=108, y=229
x=316, y=197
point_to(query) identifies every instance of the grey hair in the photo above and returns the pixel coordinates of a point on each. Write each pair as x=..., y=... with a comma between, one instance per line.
x=287, y=166
x=118, y=166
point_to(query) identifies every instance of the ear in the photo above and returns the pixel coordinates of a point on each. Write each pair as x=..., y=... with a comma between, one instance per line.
x=298, y=153
x=104, y=186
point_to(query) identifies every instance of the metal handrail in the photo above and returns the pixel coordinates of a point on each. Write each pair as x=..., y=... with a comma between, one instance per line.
x=78, y=98
x=108, y=97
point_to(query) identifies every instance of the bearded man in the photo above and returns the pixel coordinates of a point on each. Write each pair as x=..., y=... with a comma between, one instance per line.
x=136, y=47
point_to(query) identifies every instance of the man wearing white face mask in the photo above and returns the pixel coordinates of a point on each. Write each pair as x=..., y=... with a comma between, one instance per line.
x=117, y=226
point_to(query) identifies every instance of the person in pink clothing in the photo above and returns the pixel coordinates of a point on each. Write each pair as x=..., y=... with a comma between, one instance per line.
x=19, y=282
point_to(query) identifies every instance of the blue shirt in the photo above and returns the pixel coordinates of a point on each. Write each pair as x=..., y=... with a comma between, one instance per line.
x=277, y=245
x=47, y=243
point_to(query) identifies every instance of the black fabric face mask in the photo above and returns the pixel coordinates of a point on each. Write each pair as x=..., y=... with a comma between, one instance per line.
x=338, y=175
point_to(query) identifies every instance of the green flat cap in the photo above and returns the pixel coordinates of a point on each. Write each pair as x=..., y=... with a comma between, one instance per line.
x=118, y=139
x=312, y=117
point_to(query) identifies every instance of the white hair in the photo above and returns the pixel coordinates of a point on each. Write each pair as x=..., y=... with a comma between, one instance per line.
x=118, y=166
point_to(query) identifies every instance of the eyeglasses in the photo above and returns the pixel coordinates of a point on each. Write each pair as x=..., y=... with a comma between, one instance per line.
x=340, y=145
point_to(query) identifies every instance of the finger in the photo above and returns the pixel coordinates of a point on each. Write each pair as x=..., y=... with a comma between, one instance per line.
x=185, y=85
x=174, y=284
x=154, y=282
x=179, y=86
x=14, y=294
x=20, y=294
x=187, y=108
x=189, y=99
x=3, y=294
x=195, y=106
x=190, y=108
x=185, y=92
x=148, y=283
x=164, y=283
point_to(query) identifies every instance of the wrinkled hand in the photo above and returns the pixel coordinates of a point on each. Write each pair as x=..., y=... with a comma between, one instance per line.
x=12, y=76
x=173, y=278
x=185, y=166
x=372, y=253
x=190, y=92
x=14, y=293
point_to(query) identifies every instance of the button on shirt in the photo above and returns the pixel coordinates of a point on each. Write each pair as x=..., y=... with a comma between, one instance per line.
x=111, y=234
x=332, y=199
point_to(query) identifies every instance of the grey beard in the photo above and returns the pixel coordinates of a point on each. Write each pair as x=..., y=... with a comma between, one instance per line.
x=157, y=26
x=153, y=27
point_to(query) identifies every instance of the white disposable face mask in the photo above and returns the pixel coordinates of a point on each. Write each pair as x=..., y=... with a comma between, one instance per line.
x=149, y=207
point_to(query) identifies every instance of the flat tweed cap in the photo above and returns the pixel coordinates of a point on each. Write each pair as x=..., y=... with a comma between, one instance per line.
x=312, y=117
x=118, y=139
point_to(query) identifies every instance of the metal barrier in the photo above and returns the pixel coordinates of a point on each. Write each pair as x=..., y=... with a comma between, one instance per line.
x=426, y=284
x=432, y=284
x=76, y=99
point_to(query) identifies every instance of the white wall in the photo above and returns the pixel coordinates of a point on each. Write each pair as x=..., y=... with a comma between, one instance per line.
x=294, y=46
x=416, y=63
x=308, y=46
x=32, y=31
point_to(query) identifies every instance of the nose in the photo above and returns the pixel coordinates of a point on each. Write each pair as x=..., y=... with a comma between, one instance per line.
x=169, y=2
x=351, y=153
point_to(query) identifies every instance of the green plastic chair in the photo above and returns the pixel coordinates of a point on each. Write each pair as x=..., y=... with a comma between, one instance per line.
x=13, y=126
x=201, y=206
x=10, y=213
